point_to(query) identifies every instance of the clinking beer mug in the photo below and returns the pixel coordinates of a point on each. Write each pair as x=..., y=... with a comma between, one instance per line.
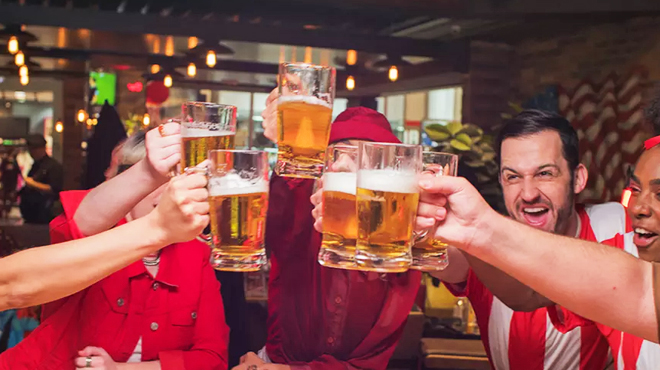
x=238, y=199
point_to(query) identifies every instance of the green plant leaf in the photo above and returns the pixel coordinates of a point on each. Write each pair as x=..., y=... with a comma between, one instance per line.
x=454, y=127
x=465, y=139
x=459, y=145
x=438, y=132
x=472, y=130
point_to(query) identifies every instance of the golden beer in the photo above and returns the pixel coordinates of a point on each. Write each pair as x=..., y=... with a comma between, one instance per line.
x=339, y=220
x=386, y=209
x=194, y=149
x=238, y=223
x=303, y=124
x=429, y=254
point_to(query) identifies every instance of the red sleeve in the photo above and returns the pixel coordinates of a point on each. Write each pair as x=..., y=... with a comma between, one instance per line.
x=63, y=228
x=211, y=338
x=375, y=351
x=565, y=320
x=289, y=222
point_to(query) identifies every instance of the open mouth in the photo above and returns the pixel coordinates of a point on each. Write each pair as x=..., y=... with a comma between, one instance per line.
x=643, y=237
x=536, y=216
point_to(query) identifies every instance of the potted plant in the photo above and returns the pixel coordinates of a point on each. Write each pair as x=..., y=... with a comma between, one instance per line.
x=476, y=154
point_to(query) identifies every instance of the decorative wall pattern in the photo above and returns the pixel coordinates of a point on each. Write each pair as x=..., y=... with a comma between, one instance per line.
x=608, y=116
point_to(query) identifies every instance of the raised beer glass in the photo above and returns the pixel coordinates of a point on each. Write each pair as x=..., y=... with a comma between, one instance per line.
x=304, y=114
x=428, y=253
x=339, y=208
x=387, y=197
x=204, y=127
x=238, y=198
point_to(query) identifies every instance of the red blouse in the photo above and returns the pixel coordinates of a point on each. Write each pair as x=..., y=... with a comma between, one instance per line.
x=179, y=314
x=320, y=317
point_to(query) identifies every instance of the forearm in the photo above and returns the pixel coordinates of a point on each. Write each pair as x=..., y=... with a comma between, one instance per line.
x=44, y=188
x=510, y=291
x=457, y=269
x=116, y=198
x=39, y=275
x=584, y=277
x=149, y=365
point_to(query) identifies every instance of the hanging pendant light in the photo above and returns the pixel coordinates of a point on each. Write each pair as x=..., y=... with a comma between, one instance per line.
x=211, y=59
x=350, y=83
x=192, y=70
x=12, y=45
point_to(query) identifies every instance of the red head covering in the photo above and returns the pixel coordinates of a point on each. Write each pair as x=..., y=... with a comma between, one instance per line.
x=360, y=123
x=648, y=144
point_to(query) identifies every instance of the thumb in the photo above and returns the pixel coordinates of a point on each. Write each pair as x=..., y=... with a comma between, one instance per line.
x=96, y=351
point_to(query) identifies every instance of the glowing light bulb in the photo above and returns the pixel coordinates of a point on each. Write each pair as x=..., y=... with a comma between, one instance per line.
x=351, y=57
x=81, y=116
x=146, y=120
x=59, y=126
x=155, y=68
x=167, y=81
x=23, y=71
x=211, y=59
x=350, y=83
x=394, y=73
x=192, y=70
x=25, y=80
x=12, y=45
x=19, y=59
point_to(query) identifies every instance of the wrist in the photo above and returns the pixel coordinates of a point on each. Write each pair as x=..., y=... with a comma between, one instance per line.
x=154, y=230
x=488, y=224
x=150, y=174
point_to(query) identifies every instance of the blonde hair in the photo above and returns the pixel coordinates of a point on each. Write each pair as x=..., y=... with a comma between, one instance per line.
x=132, y=150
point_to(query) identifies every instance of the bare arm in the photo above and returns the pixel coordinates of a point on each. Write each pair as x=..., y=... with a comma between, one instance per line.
x=120, y=194
x=513, y=293
x=585, y=277
x=149, y=365
x=457, y=269
x=114, y=197
x=44, y=188
x=43, y=274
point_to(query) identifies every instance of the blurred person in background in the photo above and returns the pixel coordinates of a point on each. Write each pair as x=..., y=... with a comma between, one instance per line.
x=321, y=317
x=42, y=184
x=9, y=175
x=162, y=312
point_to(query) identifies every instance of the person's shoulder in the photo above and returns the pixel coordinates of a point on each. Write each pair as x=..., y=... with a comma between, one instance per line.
x=606, y=219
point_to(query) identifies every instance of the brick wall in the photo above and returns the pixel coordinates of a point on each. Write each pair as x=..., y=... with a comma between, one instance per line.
x=592, y=52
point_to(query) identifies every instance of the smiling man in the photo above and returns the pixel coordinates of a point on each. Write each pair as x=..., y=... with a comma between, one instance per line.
x=541, y=174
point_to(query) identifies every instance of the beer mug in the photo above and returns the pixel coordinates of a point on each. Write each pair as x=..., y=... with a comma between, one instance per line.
x=428, y=253
x=387, y=198
x=204, y=127
x=238, y=199
x=339, y=209
x=304, y=114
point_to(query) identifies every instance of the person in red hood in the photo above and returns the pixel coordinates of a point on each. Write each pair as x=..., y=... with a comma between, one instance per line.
x=320, y=317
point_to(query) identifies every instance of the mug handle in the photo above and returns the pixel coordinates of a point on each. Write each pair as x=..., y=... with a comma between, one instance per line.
x=202, y=168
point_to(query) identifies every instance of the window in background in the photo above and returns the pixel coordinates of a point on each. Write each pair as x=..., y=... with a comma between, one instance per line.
x=243, y=102
x=395, y=106
x=258, y=106
x=445, y=104
x=339, y=106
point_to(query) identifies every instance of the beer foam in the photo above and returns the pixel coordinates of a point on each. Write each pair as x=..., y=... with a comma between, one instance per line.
x=343, y=182
x=187, y=132
x=312, y=100
x=388, y=180
x=233, y=184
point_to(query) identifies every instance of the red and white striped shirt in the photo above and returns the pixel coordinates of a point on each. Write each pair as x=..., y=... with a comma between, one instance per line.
x=529, y=340
x=629, y=352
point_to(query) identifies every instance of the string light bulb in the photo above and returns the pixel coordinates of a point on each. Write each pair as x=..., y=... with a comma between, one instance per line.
x=146, y=120
x=167, y=81
x=12, y=45
x=351, y=57
x=81, y=116
x=25, y=80
x=59, y=126
x=393, y=73
x=155, y=68
x=19, y=58
x=23, y=71
x=211, y=59
x=192, y=70
x=350, y=83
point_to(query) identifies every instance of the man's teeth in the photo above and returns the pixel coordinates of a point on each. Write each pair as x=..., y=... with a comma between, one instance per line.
x=534, y=210
x=639, y=230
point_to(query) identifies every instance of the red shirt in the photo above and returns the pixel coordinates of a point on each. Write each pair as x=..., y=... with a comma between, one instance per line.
x=179, y=314
x=320, y=317
x=629, y=352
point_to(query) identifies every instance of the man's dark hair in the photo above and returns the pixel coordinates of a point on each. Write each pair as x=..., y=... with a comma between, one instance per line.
x=530, y=122
x=652, y=110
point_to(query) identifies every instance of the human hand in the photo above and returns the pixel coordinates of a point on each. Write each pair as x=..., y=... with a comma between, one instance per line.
x=249, y=361
x=182, y=212
x=97, y=358
x=456, y=207
x=273, y=367
x=163, y=146
x=269, y=116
